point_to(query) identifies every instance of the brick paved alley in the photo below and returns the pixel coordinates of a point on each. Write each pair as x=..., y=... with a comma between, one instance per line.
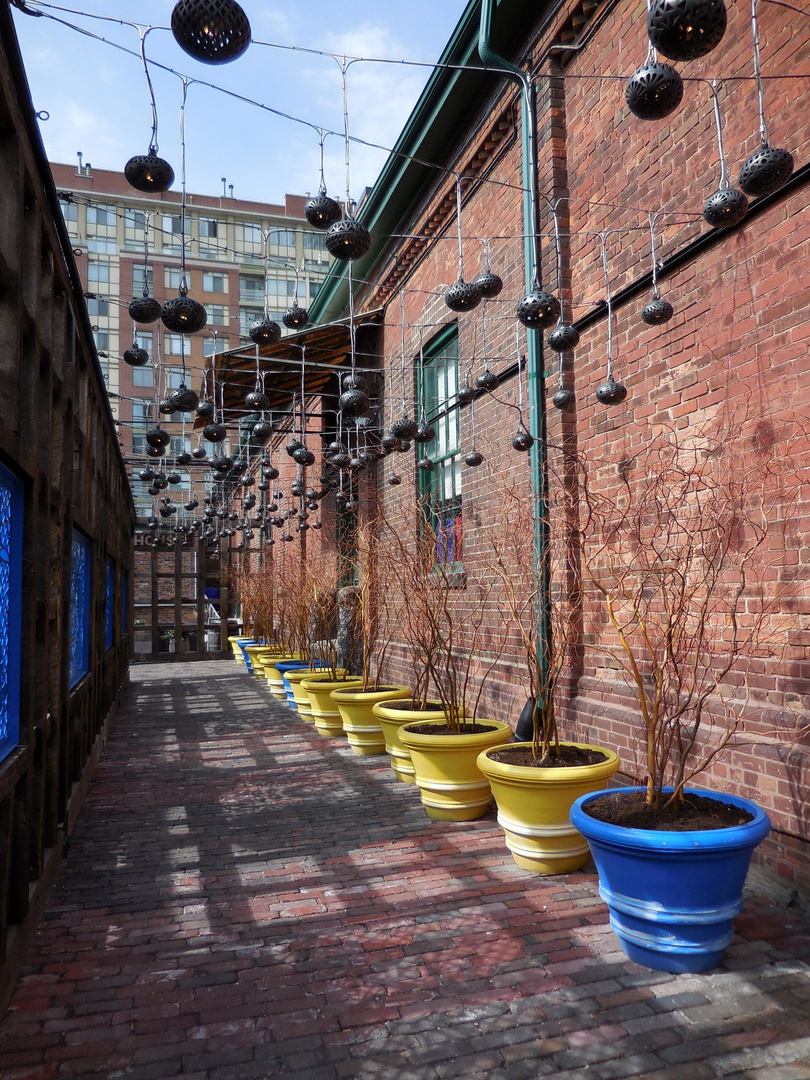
x=245, y=899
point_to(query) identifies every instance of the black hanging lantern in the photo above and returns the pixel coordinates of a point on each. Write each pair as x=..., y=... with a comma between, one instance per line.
x=158, y=437
x=256, y=399
x=389, y=442
x=303, y=456
x=261, y=433
x=473, y=459
x=523, y=441
x=136, y=357
x=212, y=31
x=611, y=392
x=215, y=433
x=192, y=504
x=424, y=433
x=272, y=473
x=466, y=393
x=182, y=315
x=657, y=312
x=488, y=284
x=563, y=338
x=394, y=480
x=199, y=453
x=185, y=400
x=321, y=211
x=347, y=239
x=353, y=402
x=463, y=296
x=404, y=446
x=167, y=407
x=538, y=309
x=404, y=428
x=174, y=478
x=486, y=380
x=265, y=332
x=205, y=410
x=147, y=474
x=144, y=309
x=149, y=173
x=335, y=447
x=161, y=482
x=726, y=207
x=340, y=461
x=765, y=171
x=425, y=464
x=654, y=91
x=295, y=317
x=564, y=400
x=183, y=459
x=353, y=382
x=686, y=29
x=293, y=445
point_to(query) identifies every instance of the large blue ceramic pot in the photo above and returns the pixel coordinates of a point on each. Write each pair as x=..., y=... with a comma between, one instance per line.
x=672, y=896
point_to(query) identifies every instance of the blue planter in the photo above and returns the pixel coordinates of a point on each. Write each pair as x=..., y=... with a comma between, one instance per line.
x=673, y=896
x=242, y=642
x=282, y=669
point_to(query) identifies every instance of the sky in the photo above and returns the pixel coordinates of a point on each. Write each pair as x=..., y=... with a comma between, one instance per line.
x=97, y=102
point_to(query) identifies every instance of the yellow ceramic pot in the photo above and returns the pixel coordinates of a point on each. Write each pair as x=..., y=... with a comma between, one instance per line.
x=392, y=717
x=451, y=785
x=362, y=727
x=257, y=653
x=533, y=808
x=300, y=697
x=325, y=713
x=237, y=652
x=273, y=675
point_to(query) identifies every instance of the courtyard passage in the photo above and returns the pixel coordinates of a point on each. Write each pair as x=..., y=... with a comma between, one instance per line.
x=246, y=899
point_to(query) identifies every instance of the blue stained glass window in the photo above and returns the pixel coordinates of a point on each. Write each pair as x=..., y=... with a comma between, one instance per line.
x=124, y=600
x=109, y=611
x=11, y=509
x=79, y=608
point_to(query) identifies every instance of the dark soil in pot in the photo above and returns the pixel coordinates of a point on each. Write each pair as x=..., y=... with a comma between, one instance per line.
x=569, y=757
x=445, y=729
x=696, y=812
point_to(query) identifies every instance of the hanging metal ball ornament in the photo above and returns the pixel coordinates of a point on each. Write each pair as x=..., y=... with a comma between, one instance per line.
x=389, y=442
x=265, y=332
x=347, y=240
x=657, y=312
x=166, y=407
x=340, y=461
x=183, y=459
x=206, y=410
x=523, y=441
x=192, y=504
x=686, y=29
x=611, y=392
x=272, y=473
x=303, y=456
x=564, y=400
x=136, y=357
x=199, y=453
x=538, y=309
x=256, y=399
x=394, y=480
x=182, y=315
x=321, y=211
x=184, y=400
x=215, y=433
x=353, y=382
x=174, y=478
x=212, y=31
x=765, y=171
x=404, y=428
x=726, y=207
x=463, y=296
x=261, y=432
x=149, y=173
x=424, y=433
x=486, y=380
x=473, y=459
x=295, y=317
x=353, y=402
x=147, y=474
x=654, y=91
x=488, y=284
x=158, y=437
x=293, y=445
x=425, y=464
x=466, y=393
x=161, y=481
x=404, y=446
x=144, y=309
x=563, y=338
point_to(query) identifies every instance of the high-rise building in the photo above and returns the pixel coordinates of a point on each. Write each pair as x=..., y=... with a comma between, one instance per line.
x=126, y=240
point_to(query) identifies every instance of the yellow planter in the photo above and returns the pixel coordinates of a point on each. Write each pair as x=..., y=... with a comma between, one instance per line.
x=362, y=727
x=257, y=654
x=533, y=808
x=392, y=717
x=273, y=675
x=327, y=717
x=451, y=785
x=300, y=697
x=237, y=652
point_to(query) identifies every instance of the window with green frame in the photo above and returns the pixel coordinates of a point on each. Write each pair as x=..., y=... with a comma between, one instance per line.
x=440, y=488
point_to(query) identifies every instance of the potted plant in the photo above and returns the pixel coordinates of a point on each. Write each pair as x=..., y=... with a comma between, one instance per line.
x=536, y=780
x=685, y=554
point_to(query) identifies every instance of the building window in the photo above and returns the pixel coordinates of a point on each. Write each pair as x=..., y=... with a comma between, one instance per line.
x=109, y=610
x=217, y=315
x=441, y=487
x=210, y=228
x=79, y=608
x=173, y=224
x=215, y=283
x=143, y=376
x=103, y=246
x=102, y=340
x=143, y=415
x=213, y=346
x=70, y=212
x=173, y=345
x=251, y=290
x=98, y=307
x=247, y=318
x=283, y=238
x=139, y=278
x=135, y=220
x=101, y=215
x=181, y=445
x=314, y=241
x=145, y=341
x=98, y=271
x=11, y=515
x=173, y=275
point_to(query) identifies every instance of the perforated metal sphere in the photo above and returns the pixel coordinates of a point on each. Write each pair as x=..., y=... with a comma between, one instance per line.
x=353, y=402
x=394, y=480
x=272, y=473
x=148, y=172
x=473, y=459
x=136, y=357
x=144, y=309
x=725, y=208
x=158, y=437
x=304, y=456
x=174, y=477
x=356, y=463
x=563, y=337
x=686, y=29
x=321, y=211
x=765, y=171
x=389, y=442
x=611, y=392
x=257, y=400
x=293, y=445
x=523, y=441
x=221, y=464
x=192, y=504
x=205, y=409
x=295, y=317
x=317, y=525
x=424, y=433
x=184, y=400
x=486, y=380
x=563, y=400
x=261, y=432
x=212, y=31
x=488, y=284
x=425, y=464
x=463, y=296
x=347, y=240
x=240, y=466
x=340, y=461
x=199, y=453
x=167, y=407
x=466, y=393
x=161, y=482
x=538, y=310
x=353, y=382
x=265, y=332
x=404, y=428
x=654, y=91
x=404, y=446
x=182, y=315
x=183, y=459
x=335, y=447
x=367, y=458
x=146, y=474
x=657, y=312
x=215, y=433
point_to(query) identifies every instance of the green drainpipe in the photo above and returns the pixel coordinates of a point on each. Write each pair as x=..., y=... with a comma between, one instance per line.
x=534, y=351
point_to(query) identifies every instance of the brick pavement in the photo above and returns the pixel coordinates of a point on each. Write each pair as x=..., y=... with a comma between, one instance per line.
x=245, y=899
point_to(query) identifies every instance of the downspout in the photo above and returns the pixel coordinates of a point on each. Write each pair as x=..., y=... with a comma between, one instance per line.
x=534, y=341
